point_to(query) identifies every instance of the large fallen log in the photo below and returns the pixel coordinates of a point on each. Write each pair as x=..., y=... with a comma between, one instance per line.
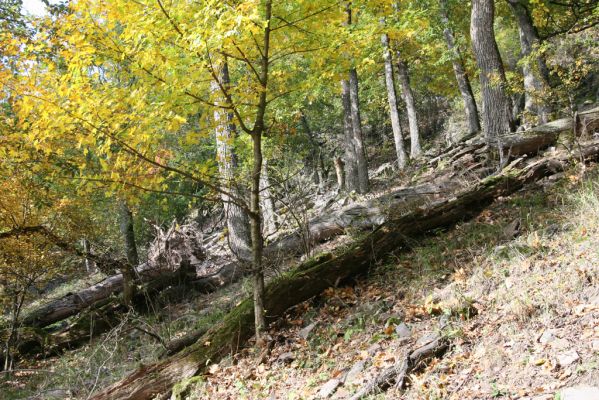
x=74, y=303
x=169, y=251
x=313, y=277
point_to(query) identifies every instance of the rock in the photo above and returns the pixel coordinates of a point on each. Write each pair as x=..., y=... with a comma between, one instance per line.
x=427, y=338
x=305, y=332
x=328, y=388
x=373, y=349
x=595, y=345
x=547, y=336
x=403, y=331
x=559, y=344
x=354, y=372
x=580, y=393
x=286, y=358
x=568, y=358
x=512, y=229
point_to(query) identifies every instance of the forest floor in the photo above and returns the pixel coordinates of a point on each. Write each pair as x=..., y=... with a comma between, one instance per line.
x=515, y=290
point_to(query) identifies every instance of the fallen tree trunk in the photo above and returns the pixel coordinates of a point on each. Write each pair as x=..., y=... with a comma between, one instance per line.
x=313, y=277
x=74, y=303
x=96, y=319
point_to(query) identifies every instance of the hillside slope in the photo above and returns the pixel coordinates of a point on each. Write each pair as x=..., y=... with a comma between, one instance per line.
x=514, y=293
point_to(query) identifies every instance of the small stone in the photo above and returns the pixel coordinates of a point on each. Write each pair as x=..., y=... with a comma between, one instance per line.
x=547, y=336
x=305, y=332
x=580, y=393
x=328, y=388
x=559, y=344
x=403, y=331
x=286, y=358
x=595, y=345
x=373, y=349
x=354, y=372
x=427, y=338
x=568, y=358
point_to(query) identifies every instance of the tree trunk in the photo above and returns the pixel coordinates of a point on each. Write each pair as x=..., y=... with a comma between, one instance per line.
x=89, y=264
x=256, y=213
x=460, y=72
x=314, y=276
x=268, y=202
x=128, y=270
x=352, y=181
x=392, y=98
x=340, y=172
x=238, y=226
x=497, y=106
x=315, y=163
x=362, y=164
x=408, y=96
x=536, y=73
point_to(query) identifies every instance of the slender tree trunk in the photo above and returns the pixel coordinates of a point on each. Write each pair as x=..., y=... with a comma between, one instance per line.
x=362, y=164
x=340, y=172
x=351, y=162
x=535, y=71
x=268, y=202
x=460, y=72
x=89, y=264
x=257, y=239
x=392, y=98
x=408, y=96
x=256, y=213
x=315, y=160
x=238, y=226
x=497, y=106
x=126, y=226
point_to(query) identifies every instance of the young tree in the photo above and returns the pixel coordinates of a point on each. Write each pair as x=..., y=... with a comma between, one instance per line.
x=497, y=106
x=534, y=69
x=238, y=226
x=460, y=71
x=356, y=163
x=128, y=233
x=393, y=110
x=408, y=97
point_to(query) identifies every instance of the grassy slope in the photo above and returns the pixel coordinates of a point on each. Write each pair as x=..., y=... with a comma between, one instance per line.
x=545, y=278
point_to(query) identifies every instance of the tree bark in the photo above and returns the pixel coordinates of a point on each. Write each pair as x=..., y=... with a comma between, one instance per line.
x=351, y=163
x=268, y=202
x=536, y=73
x=340, y=173
x=497, y=106
x=460, y=72
x=238, y=226
x=314, y=276
x=408, y=97
x=392, y=98
x=362, y=164
x=128, y=270
x=89, y=264
x=315, y=159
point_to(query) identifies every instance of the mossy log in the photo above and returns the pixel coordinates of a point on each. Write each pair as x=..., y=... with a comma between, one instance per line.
x=313, y=277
